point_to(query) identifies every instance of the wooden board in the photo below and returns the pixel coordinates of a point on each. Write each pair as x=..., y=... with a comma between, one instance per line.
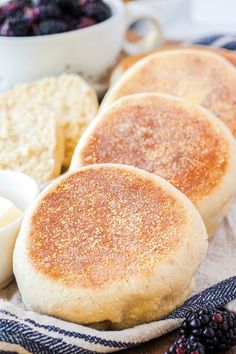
x=159, y=346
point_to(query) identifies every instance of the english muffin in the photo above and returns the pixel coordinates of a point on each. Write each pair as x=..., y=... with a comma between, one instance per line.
x=31, y=141
x=127, y=62
x=203, y=77
x=109, y=244
x=172, y=138
x=68, y=97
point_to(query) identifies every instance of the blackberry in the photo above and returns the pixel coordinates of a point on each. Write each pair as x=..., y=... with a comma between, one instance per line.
x=51, y=27
x=186, y=346
x=85, y=22
x=31, y=14
x=214, y=328
x=97, y=10
x=2, y=16
x=71, y=7
x=9, y=8
x=38, y=3
x=49, y=11
x=15, y=26
x=12, y=9
x=22, y=3
x=5, y=30
x=71, y=22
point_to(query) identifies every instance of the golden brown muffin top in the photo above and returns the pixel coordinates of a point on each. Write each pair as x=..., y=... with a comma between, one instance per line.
x=104, y=224
x=162, y=135
x=204, y=78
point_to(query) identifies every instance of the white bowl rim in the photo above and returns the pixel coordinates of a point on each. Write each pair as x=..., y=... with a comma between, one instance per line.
x=37, y=190
x=115, y=4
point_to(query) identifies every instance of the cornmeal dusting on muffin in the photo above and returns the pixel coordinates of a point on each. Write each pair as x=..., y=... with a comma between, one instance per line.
x=204, y=78
x=94, y=228
x=170, y=139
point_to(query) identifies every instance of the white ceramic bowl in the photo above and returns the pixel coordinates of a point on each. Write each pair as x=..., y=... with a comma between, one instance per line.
x=90, y=51
x=21, y=190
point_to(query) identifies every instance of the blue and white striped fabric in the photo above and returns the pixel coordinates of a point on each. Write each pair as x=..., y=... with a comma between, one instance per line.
x=23, y=331
x=218, y=41
x=41, y=334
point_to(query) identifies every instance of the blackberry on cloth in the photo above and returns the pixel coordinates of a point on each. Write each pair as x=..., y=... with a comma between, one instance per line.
x=206, y=330
x=186, y=346
x=214, y=328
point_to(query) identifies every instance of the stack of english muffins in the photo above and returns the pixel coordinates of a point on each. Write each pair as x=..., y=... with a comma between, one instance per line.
x=117, y=240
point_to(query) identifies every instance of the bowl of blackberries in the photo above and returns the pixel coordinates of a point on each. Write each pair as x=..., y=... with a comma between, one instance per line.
x=21, y=18
x=48, y=37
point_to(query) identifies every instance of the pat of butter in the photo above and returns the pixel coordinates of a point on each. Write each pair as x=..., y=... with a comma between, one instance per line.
x=8, y=212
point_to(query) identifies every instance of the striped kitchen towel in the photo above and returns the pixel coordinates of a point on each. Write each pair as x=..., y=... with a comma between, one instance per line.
x=41, y=334
x=217, y=40
x=23, y=331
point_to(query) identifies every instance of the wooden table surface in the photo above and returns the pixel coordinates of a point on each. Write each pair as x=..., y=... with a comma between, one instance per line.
x=159, y=346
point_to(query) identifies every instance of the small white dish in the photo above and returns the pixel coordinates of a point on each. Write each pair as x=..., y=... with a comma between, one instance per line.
x=21, y=190
x=90, y=51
